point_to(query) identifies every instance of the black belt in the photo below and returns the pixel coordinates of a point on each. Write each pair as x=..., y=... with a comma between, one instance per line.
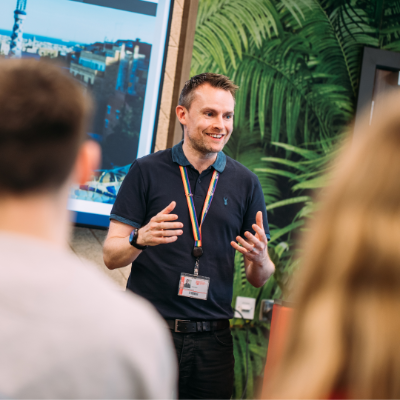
x=187, y=326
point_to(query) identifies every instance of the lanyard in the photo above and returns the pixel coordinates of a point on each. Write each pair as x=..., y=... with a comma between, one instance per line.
x=198, y=250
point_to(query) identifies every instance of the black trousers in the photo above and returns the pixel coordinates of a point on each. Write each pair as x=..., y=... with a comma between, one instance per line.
x=206, y=364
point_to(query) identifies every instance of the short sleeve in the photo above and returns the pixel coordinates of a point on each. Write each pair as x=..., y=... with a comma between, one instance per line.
x=130, y=204
x=256, y=203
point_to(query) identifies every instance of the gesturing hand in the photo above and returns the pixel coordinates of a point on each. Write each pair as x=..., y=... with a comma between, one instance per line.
x=255, y=248
x=160, y=230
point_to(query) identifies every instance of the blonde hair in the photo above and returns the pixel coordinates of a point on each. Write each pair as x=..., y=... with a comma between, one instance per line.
x=345, y=335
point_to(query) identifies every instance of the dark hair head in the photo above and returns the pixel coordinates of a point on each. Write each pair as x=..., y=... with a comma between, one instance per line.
x=43, y=118
x=215, y=80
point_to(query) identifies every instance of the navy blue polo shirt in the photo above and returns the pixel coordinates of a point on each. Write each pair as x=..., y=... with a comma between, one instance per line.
x=151, y=184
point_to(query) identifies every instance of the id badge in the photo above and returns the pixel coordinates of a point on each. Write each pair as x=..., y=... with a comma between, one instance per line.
x=193, y=286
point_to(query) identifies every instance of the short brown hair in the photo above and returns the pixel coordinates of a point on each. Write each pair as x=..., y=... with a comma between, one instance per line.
x=215, y=80
x=43, y=121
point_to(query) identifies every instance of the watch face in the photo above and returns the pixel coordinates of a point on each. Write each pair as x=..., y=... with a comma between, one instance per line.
x=131, y=236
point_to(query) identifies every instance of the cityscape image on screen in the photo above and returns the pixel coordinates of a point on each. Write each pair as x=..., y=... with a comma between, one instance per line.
x=101, y=48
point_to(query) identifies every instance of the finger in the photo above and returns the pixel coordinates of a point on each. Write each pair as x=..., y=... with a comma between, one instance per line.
x=241, y=249
x=260, y=232
x=169, y=225
x=163, y=240
x=246, y=245
x=166, y=233
x=164, y=217
x=253, y=240
x=259, y=220
x=169, y=208
x=238, y=248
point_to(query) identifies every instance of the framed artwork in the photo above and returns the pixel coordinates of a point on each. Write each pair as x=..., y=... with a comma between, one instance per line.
x=116, y=49
x=380, y=72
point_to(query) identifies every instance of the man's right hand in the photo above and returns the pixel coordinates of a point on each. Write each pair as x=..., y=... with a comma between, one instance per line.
x=161, y=229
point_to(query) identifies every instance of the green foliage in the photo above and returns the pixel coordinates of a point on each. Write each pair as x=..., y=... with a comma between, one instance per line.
x=297, y=63
x=300, y=81
x=257, y=343
x=247, y=148
x=257, y=335
x=310, y=172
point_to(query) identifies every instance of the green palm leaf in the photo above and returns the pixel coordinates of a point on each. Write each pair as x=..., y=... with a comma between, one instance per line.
x=276, y=234
x=286, y=202
x=297, y=63
x=308, y=154
x=316, y=183
x=246, y=147
x=284, y=161
x=225, y=26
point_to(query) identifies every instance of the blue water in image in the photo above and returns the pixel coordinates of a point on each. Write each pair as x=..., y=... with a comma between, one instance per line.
x=42, y=38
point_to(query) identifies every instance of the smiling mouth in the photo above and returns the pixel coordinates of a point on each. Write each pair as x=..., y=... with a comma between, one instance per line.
x=215, y=135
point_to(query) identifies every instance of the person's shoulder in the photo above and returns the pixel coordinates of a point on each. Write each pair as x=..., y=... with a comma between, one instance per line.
x=109, y=298
x=124, y=323
x=149, y=166
x=159, y=157
x=136, y=338
x=240, y=171
x=126, y=310
x=84, y=296
x=128, y=304
x=106, y=327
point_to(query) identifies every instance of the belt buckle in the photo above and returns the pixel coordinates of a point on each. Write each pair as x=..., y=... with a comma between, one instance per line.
x=176, y=324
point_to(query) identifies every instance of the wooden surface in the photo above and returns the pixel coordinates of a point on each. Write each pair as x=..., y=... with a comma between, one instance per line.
x=177, y=71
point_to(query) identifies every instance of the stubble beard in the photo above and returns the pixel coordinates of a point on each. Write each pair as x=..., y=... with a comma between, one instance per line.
x=201, y=147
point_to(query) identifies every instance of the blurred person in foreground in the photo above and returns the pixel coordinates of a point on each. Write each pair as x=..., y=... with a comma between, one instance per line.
x=345, y=335
x=65, y=330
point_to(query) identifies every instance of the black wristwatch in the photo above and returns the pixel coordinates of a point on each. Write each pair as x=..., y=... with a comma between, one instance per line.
x=133, y=237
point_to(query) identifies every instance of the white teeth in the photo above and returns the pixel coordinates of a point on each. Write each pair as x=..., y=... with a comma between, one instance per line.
x=216, y=136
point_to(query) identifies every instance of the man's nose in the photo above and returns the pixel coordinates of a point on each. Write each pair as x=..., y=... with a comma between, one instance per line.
x=218, y=123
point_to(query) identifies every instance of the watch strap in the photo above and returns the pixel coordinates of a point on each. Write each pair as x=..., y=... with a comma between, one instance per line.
x=133, y=237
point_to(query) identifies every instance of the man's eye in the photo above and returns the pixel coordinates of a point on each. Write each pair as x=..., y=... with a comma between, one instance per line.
x=209, y=114
x=229, y=116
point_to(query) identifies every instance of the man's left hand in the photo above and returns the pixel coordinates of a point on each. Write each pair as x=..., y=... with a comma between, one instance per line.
x=255, y=248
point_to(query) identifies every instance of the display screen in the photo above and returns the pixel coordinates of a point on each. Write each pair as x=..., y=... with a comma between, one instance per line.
x=116, y=50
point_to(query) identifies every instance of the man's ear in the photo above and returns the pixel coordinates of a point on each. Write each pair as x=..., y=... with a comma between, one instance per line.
x=87, y=161
x=181, y=112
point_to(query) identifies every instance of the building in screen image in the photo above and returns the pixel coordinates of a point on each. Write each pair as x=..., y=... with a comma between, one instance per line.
x=114, y=71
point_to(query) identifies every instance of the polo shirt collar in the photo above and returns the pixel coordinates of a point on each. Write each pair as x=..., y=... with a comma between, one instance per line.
x=178, y=156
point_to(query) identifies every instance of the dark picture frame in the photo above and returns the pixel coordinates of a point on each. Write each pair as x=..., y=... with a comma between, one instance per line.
x=373, y=60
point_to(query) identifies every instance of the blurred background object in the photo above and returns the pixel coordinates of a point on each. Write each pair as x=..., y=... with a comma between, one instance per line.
x=380, y=74
x=345, y=328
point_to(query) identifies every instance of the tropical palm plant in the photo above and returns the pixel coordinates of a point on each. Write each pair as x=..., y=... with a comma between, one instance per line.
x=297, y=64
x=300, y=81
x=308, y=175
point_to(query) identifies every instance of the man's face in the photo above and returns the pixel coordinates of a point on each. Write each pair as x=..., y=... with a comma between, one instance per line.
x=209, y=121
